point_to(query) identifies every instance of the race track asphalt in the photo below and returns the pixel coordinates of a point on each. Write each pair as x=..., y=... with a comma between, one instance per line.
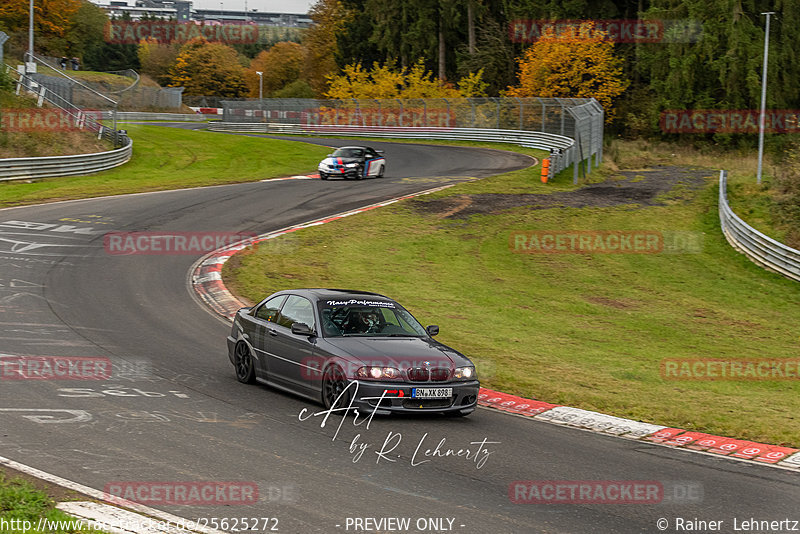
x=173, y=410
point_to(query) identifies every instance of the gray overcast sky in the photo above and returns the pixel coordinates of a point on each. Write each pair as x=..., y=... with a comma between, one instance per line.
x=272, y=6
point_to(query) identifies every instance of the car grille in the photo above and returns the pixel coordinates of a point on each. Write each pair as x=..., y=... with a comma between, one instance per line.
x=422, y=374
x=440, y=374
x=418, y=374
x=427, y=403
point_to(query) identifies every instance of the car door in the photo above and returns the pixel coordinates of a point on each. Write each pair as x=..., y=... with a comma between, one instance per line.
x=264, y=318
x=293, y=353
x=372, y=162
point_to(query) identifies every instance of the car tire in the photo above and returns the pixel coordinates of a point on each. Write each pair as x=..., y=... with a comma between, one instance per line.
x=334, y=383
x=243, y=363
x=360, y=173
x=323, y=176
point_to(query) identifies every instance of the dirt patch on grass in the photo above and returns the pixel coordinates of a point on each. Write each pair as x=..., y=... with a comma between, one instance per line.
x=636, y=188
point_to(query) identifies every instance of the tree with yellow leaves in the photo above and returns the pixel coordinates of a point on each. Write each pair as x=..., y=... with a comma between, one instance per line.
x=577, y=64
x=387, y=81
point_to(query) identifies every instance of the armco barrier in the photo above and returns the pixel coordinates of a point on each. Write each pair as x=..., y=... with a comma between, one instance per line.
x=761, y=249
x=148, y=116
x=54, y=166
x=540, y=140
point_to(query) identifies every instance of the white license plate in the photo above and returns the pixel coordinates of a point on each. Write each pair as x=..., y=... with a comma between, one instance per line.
x=431, y=393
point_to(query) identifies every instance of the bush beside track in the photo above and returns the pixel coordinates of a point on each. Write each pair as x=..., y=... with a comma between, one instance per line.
x=584, y=330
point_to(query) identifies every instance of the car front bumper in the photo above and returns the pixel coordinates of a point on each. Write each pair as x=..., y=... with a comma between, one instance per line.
x=341, y=173
x=388, y=398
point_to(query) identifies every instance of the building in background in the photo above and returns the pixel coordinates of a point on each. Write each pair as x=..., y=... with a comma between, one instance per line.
x=182, y=11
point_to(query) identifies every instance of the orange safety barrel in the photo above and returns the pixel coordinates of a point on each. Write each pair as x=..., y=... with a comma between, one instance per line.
x=545, y=170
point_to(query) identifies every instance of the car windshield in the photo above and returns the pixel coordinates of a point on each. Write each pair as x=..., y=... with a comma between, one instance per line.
x=348, y=153
x=377, y=318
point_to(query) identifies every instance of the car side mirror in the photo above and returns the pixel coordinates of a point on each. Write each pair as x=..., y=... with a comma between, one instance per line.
x=432, y=330
x=302, y=329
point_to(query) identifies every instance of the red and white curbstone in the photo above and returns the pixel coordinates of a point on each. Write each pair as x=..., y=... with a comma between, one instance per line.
x=207, y=284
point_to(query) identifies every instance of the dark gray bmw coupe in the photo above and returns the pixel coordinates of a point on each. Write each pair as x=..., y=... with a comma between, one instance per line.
x=350, y=349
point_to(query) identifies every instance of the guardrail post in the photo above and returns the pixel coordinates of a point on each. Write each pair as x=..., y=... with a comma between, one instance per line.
x=402, y=111
x=543, y=112
x=472, y=115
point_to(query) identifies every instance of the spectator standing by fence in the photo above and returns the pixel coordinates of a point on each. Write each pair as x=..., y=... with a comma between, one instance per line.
x=75, y=63
x=63, y=63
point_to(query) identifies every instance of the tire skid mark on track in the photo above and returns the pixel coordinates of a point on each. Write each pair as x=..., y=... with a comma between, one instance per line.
x=206, y=286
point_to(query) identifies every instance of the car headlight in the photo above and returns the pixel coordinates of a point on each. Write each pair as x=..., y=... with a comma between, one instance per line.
x=351, y=165
x=378, y=373
x=464, y=373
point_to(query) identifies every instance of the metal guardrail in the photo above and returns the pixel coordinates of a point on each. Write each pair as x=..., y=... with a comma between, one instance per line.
x=55, y=166
x=761, y=249
x=580, y=119
x=154, y=116
x=563, y=149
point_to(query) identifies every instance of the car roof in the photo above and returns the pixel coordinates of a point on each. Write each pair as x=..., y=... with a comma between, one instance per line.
x=353, y=146
x=327, y=293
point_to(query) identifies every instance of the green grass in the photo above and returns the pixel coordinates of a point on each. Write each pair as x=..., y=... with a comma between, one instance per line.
x=170, y=158
x=20, y=502
x=86, y=75
x=581, y=330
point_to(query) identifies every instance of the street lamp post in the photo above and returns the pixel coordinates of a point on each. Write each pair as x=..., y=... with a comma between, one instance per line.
x=762, y=117
x=30, y=31
x=261, y=94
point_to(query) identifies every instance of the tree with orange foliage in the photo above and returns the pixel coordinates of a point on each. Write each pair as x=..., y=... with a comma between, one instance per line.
x=210, y=69
x=282, y=64
x=329, y=18
x=577, y=64
x=52, y=20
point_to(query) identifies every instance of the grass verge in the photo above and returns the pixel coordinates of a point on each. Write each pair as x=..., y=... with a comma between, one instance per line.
x=585, y=330
x=171, y=158
x=23, y=509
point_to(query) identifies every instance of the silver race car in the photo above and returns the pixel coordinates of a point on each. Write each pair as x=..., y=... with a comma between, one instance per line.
x=353, y=162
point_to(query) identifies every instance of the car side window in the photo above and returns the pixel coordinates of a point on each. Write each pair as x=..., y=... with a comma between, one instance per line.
x=269, y=310
x=371, y=154
x=296, y=310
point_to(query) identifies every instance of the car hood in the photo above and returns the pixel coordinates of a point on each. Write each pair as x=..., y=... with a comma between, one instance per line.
x=399, y=352
x=340, y=161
